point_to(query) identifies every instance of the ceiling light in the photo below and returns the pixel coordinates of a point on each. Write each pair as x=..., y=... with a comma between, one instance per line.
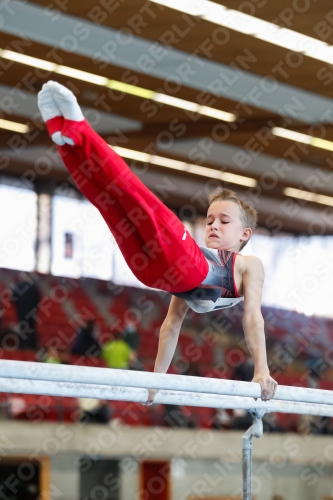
x=322, y=143
x=82, y=75
x=306, y=195
x=185, y=167
x=304, y=138
x=217, y=113
x=175, y=101
x=28, y=60
x=253, y=26
x=131, y=153
x=14, y=126
x=116, y=85
x=195, y=108
x=130, y=89
x=291, y=134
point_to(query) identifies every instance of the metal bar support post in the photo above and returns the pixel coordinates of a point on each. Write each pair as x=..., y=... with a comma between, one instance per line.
x=256, y=430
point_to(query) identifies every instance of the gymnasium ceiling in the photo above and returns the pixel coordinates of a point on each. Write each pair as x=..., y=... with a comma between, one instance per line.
x=170, y=53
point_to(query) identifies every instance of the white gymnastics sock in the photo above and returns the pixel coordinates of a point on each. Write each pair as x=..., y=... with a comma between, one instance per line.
x=67, y=102
x=50, y=109
x=68, y=105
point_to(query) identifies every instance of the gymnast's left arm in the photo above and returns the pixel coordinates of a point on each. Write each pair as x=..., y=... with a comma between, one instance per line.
x=253, y=324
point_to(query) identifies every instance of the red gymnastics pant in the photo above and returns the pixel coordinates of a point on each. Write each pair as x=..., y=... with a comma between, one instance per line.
x=149, y=235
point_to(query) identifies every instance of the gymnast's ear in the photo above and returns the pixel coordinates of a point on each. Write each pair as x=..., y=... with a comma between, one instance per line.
x=247, y=233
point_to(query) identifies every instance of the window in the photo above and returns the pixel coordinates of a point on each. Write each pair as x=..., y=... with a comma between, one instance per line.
x=82, y=245
x=18, y=226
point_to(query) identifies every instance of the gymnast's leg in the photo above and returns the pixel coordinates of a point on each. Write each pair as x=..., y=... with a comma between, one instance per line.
x=154, y=242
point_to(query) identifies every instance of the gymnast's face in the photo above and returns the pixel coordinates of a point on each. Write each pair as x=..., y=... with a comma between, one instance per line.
x=224, y=228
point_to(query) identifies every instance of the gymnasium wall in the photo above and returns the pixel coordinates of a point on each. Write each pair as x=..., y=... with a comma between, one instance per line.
x=203, y=463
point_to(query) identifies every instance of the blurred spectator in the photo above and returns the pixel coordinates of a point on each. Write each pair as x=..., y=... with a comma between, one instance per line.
x=316, y=369
x=242, y=420
x=5, y=405
x=26, y=298
x=245, y=370
x=116, y=353
x=174, y=416
x=18, y=406
x=271, y=423
x=222, y=419
x=314, y=424
x=52, y=355
x=10, y=338
x=94, y=411
x=65, y=357
x=1, y=315
x=132, y=338
x=192, y=370
x=86, y=342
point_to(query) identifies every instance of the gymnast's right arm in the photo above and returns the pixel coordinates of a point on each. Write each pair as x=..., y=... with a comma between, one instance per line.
x=168, y=339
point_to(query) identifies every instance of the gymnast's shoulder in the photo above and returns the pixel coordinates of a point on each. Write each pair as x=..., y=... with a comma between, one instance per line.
x=250, y=270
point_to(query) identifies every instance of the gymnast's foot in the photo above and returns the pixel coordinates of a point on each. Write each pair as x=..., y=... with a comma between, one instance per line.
x=49, y=109
x=67, y=102
x=68, y=105
x=56, y=101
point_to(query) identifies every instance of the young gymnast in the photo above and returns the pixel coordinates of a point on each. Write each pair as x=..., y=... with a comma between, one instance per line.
x=155, y=243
